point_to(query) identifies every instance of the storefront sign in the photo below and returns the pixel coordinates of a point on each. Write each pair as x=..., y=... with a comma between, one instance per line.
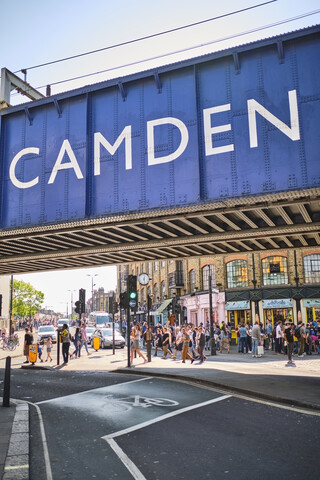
x=240, y=305
x=281, y=303
x=314, y=302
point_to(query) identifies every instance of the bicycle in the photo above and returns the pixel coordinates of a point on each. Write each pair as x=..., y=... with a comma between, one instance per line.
x=11, y=342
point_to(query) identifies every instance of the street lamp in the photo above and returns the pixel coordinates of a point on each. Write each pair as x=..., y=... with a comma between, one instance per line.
x=92, y=285
x=71, y=293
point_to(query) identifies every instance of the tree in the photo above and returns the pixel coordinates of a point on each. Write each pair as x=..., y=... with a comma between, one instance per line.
x=27, y=301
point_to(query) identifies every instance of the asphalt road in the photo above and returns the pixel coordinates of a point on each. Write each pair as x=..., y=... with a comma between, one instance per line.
x=111, y=426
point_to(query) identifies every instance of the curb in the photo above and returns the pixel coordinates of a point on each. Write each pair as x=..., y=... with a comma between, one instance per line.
x=210, y=383
x=17, y=459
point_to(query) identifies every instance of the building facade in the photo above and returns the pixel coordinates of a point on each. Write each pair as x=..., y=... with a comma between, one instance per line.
x=274, y=284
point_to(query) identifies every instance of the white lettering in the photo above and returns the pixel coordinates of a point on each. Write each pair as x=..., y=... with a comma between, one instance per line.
x=209, y=130
x=12, y=170
x=292, y=132
x=152, y=160
x=100, y=140
x=65, y=148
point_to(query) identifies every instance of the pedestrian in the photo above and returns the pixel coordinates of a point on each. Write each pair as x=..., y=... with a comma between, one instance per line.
x=166, y=343
x=288, y=336
x=300, y=333
x=65, y=339
x=49, y=348
x=28, y=339
x=249, y=337
x=225, y=343
x=256, y=339
x=201, y=342
x=185, y=348
x=178, y=342
x=279, y=338
x=268, y=332
x=76, y=343
x=243, y=339
x=84, y=338
x=40, y=352
x=135, y=346
x=158, y=341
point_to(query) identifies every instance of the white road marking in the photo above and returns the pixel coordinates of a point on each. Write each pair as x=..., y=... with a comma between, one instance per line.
x=133, y=469
x=90, y=391
x=44, y=443
x=164, y=417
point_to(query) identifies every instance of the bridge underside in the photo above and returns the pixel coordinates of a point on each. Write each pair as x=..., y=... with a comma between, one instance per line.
x=269, y=222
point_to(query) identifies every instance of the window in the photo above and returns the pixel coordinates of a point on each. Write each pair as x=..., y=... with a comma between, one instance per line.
x=149, y=268
x=163, y=263
x=142, y=295
x=155, y=292
x=312, y=268
x=192, y=280
x=274, y=271
x=205, y=276
x=237, y=274
x=155, y=266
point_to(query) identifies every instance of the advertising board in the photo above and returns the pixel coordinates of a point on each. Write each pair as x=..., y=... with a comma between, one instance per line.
x=227, y=125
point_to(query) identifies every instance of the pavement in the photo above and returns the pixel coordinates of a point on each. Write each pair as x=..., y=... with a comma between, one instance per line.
x=267, y=378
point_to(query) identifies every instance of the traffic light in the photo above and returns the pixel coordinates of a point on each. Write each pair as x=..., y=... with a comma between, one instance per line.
x=132, y=290
x=149, y=302
x=123, y=300
x=77, y=307
x=82, y=300
x=115, y=307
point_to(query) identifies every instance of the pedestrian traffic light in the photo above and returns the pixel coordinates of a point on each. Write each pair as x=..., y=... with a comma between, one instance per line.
x=132, y=290
x=77, y=307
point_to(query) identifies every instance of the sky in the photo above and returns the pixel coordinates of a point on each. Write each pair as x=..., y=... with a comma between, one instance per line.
x=38, y=31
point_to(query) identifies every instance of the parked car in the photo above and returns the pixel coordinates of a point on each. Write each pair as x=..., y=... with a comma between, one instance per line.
x=90, y=331
x=46, y=331
x=106, y=338
x=62, y=321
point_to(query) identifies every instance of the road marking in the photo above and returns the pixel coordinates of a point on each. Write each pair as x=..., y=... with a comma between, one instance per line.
x=44, y=443
x=91, y=390
x=16, y=467
x=164, y=417
x=133, y=469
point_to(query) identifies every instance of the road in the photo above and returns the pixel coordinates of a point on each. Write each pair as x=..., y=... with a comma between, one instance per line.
x=111, y=426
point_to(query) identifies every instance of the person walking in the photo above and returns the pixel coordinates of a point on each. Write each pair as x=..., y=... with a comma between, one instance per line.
x=76, y=343
x=288, y=336
x=185, y=347
x=256, y=338
x=84, y=338
x=201, y=342
x=65, y=338
x=28, y=339
x=49, y=348
x=300, y=333
x=225, y=344
x=135, y=347
x=166, y=343
x=279, y=338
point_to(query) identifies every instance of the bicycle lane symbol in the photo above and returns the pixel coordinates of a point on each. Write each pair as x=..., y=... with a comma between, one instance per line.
x=126, y=404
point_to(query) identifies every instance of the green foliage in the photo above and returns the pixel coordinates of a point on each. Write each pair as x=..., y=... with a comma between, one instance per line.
x=27, y=301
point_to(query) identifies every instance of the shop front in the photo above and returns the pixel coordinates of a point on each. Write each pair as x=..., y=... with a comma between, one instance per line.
x=197, y=308
x=276, y=310
x=312, y=309
x=238, y=312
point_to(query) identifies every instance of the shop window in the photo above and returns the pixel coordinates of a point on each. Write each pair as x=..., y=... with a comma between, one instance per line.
x=312, y=268
x=274, y=271
x=192, y=280
x=237, y=274
x=208, y=269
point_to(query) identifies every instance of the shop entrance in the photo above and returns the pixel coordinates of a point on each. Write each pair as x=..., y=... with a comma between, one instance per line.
x=235, y=318
x=275, y=315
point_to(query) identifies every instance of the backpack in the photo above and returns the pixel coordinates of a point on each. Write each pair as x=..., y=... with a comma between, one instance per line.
x=297, y=331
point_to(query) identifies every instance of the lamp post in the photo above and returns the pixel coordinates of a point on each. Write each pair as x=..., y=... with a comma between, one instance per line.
x=71, y=293
x=213, y=343
x=92, y=285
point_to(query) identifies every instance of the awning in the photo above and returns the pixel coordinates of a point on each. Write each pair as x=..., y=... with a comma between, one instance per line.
x=164, y=305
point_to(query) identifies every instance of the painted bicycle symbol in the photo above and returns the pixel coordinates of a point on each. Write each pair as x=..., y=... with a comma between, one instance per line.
x=137, y=401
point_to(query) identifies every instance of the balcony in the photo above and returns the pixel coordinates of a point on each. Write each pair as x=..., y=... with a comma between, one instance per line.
x=176, y=279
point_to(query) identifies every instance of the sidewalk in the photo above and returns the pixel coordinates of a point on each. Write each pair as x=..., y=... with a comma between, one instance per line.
x=266, y=377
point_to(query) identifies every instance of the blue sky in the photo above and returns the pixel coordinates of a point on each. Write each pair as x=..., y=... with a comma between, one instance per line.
x=38, y=31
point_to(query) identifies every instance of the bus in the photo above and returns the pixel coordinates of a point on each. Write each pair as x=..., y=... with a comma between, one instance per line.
x=100, y=319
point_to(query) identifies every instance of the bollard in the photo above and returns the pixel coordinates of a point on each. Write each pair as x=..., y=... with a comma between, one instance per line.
x=6, y=388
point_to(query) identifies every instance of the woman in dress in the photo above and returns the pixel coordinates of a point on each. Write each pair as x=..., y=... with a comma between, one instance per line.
x=135, y=346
